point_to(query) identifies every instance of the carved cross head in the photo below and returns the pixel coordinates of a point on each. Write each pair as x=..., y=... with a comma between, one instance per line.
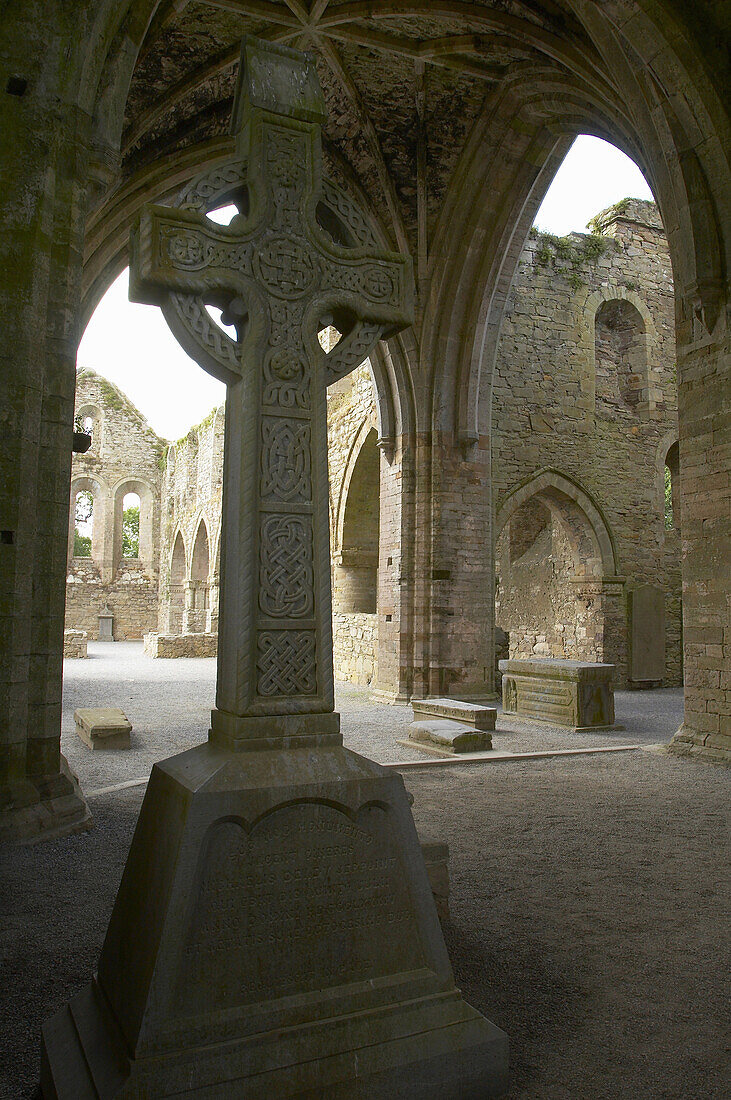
x=297, y=257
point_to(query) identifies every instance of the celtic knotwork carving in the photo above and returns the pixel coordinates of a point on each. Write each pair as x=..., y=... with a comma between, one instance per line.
x=286, y=379
x=286, y=662
x=203, y=192
x=286, y=158
x=285, y=459
x=377, y=283
x=338, y=201
x=186, y=248
x=353, y=350
x=285, y=557
x=285, y=267
x=204, y=332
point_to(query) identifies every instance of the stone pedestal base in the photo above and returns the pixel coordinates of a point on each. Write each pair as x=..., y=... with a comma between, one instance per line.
x=43, y=808
x=715, y=748
x=274, y=935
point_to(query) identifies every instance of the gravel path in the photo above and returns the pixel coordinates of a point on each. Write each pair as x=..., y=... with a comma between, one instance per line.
x=589, y=893
x=168, y=703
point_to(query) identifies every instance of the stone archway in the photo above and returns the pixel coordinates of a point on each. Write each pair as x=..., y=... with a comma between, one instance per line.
x=557, y=591
x=197, y=614
x=178, y=572
x=355, y=562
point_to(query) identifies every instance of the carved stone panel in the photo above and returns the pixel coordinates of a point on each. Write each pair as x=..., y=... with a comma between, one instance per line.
x=309, y=899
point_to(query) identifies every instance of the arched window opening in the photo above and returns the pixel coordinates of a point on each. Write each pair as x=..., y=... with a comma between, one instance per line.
x=177, y=586
x=672, y=488
x=620, y=354
x=131, y=526
x=197, y=605
x=356, y=572
x=83, y=524
x=88, y=420
x=551, y=556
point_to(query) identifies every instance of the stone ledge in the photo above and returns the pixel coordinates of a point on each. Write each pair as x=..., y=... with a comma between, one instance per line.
x=180, y=645
x=471, y=714
x=711, y=748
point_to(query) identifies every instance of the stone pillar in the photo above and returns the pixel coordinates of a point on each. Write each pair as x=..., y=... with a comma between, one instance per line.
x=601, y=623
x=399, y=547
x=704, y=405
x=41, y=235
x=461, y=603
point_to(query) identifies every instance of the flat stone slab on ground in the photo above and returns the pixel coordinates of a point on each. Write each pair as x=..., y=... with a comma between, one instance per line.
x=103, y=727
x=471, y=714
x=447, y=736
x=576, y=694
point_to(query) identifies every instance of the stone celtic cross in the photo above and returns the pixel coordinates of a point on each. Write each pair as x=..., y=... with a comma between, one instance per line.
x=298, y=256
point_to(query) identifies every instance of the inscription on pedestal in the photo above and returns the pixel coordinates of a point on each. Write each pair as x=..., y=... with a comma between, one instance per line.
x=307, y=900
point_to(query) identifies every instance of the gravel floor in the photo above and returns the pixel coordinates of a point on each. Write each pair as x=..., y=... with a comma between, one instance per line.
x=588, y=905
x=168, y=703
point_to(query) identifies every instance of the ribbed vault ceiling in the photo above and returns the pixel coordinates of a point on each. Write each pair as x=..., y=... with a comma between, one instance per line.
x=403, y=83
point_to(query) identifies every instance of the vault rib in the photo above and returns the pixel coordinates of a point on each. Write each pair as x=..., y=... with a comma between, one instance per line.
x=332, y=57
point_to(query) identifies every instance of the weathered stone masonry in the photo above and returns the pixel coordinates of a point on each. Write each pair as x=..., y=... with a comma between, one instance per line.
x=584, y=409
x=125, y=457
x=584, y=418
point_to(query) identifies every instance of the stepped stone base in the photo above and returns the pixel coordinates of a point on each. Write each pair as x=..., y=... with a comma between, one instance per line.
x=180, y=645
x=44, y=808
x=274, y=935
x=715, y=748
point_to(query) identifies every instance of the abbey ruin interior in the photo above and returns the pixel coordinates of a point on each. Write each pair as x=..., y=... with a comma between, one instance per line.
x=370, y=740
x=599, y=308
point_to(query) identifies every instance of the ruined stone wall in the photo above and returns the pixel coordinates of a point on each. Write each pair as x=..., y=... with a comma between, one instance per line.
x=191, y=512
x=351, y=417
x=601, y=412
x=585, y=385
x=125, y=457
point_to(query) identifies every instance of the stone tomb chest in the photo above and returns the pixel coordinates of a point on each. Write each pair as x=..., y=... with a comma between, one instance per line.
x=577, y=694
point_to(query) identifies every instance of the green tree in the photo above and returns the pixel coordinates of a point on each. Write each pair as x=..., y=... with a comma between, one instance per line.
x=82, y=545
x=131, y=532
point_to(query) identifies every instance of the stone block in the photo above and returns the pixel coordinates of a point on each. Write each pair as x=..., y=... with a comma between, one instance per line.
x=575, y=694
x=180, y=645
x=75, y=643
x=470, y=714
x=103, y=727
x=448, y=736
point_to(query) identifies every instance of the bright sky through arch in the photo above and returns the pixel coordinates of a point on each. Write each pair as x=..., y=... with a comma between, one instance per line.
x=593, y=176
x=132, y=346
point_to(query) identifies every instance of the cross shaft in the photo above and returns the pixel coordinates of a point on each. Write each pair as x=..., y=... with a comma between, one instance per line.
x=281, y=276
